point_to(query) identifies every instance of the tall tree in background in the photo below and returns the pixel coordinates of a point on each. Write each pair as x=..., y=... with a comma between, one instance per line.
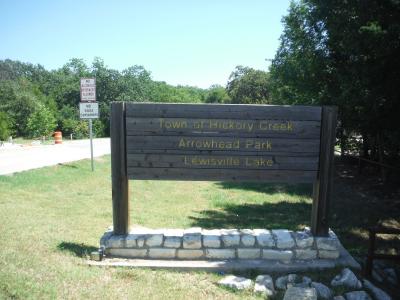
x=217, y=94
x=344, y=53
x=247, y=85
x=299, y=69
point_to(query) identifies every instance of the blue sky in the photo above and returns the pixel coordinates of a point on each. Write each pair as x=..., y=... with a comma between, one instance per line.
x=193, y=42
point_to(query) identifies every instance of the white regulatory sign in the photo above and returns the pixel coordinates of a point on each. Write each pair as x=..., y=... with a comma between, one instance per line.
x=88, y=89
x=89, y=110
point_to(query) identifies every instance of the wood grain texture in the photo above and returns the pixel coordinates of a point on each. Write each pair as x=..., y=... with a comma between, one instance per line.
x=222, y=175
x=218, y=152
x=322, y=192
x=202, y=141
x=120, y=183
x=223, y=127
x=222, y=162
x=222, y=143
x=224, y=111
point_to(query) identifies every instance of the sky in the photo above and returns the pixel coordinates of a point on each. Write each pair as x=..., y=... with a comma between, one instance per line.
x=187, y=42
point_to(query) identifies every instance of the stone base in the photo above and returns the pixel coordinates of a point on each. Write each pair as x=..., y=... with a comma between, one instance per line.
x=278, y=245
x=224, y=250
x=236, y=265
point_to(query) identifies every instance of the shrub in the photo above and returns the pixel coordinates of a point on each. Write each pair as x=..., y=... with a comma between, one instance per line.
x=5, y=125
x=41, y=122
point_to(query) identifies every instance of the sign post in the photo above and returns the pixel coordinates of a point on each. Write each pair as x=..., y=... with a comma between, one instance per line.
x=89, y=108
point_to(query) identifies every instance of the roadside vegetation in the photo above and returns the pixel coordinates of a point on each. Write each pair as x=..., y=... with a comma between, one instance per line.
x=330, y=53
x=53, y=217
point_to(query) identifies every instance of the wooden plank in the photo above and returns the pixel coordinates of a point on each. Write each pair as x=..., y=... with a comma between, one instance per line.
x=218, y=152
x=222, y=162
x=222, y=143
x=224, y=111
x=223, y=127
x=222, y=175
x=120, y=193
x=323, y=185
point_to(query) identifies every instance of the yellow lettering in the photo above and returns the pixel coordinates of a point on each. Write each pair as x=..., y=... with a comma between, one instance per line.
x=249, y=143
x=213, y=124
x=197, y=125
x=258, y=162
x=186, y=160
x=172, y=124
x=182, y=143
x=259, y=145
x=266, y=125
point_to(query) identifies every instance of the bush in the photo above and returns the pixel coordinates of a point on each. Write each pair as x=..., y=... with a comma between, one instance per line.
x=5, y=125
x=41, y=122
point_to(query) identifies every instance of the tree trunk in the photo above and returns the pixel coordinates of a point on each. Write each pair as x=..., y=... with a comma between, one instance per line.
x=381, y=154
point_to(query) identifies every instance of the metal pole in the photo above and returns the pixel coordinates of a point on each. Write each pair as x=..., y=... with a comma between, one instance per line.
x=91, y=143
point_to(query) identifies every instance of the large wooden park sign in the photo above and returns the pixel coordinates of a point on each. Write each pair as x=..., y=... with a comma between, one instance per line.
x=222, y=143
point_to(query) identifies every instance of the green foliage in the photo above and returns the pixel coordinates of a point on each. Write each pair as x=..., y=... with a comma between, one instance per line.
x=163, y=92
x=135, y=84
x=70, y=123
x=5, y=125
x=19, y=99
x=346, y=54
x=80, y=129
x=299, y=66
x=247, y=85
x=98, y=128
x=23, y=87
x=217, y=94
x=41, y=122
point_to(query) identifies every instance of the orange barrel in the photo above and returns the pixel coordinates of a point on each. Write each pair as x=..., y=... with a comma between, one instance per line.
x=58, y=137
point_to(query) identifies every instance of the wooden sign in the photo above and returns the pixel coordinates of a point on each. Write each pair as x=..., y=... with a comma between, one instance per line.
x=211, y=142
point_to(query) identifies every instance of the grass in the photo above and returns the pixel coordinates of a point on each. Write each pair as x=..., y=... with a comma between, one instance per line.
x=52, y=218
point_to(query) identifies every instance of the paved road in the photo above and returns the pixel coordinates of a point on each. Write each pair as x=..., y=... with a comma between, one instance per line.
x=18, y=158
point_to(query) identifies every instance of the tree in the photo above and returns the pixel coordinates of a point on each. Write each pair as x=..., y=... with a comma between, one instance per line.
x=42, y=122
x=247, y=85
x=300, y=64
x=18, y=99
x=217, y=94
x=135, y=84
x=5, y=125
x=344, y=53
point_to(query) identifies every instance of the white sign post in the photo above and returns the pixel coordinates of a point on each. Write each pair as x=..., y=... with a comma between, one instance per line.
x=89, y=108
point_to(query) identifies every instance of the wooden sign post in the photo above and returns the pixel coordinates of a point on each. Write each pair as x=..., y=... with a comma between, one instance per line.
x=210, y=142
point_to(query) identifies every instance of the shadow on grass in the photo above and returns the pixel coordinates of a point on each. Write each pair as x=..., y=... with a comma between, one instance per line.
x=66, y=165
x=80, y=250
x=287, y=215
x=300, y=190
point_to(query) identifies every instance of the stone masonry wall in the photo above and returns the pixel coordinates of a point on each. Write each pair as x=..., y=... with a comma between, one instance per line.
x=196, y=243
